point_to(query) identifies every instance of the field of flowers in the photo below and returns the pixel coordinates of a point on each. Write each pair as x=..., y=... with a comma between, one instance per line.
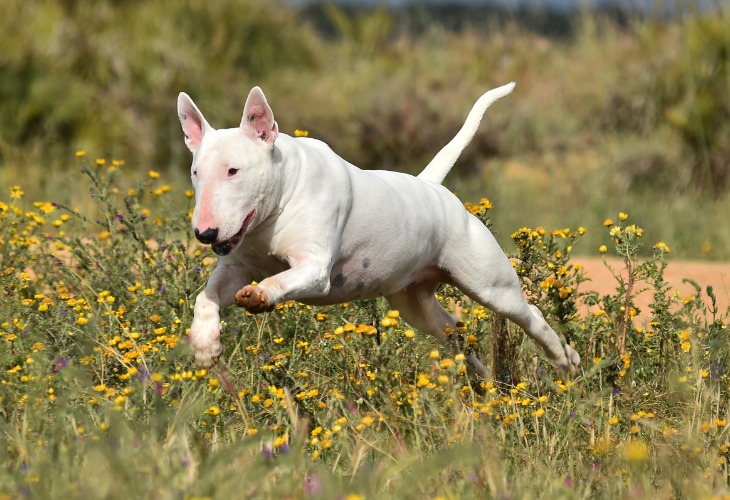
x=99, y=397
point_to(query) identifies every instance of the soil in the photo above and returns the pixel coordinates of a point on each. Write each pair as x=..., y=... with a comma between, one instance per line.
x=703, y=273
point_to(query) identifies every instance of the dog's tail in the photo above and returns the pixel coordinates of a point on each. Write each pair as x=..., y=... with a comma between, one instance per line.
x=441, y=164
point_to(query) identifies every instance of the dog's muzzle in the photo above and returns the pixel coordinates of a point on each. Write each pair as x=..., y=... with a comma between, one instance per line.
x=227, y=246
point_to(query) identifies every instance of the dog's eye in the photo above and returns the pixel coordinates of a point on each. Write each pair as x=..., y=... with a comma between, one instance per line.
x=232, y=172
x=195, y=172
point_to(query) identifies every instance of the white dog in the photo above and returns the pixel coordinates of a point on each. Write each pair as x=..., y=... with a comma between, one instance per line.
x=307, y=225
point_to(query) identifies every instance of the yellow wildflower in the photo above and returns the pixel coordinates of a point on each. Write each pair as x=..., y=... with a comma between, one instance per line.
x=16, y=192
x=636, y=452
x=662, y=246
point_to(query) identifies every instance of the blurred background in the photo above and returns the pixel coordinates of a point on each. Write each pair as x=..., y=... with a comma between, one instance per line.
x=619, y=105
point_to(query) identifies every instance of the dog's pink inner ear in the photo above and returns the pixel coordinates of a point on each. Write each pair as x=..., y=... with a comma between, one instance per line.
x=258, y=119
x=261, y=125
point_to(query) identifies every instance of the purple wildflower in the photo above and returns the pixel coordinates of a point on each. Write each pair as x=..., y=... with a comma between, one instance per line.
x=312, y=485
x=143, y=374
x=60, y=364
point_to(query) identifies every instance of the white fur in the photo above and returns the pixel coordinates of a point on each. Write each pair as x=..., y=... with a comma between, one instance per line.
x=319, y=230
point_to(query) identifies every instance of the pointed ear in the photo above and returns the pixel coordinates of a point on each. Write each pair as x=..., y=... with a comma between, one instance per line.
x=258, y=119
x=192, y=120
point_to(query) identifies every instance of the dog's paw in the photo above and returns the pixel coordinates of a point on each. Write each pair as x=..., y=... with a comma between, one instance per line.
x=572, y=359
x=206, y=358
x=205, y=342
x=254, y=299
x=567, y=359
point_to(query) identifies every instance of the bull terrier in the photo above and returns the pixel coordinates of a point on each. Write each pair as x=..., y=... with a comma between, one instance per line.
x=304, y=224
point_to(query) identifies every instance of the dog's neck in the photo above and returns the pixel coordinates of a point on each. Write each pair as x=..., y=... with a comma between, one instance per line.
x=285, y=176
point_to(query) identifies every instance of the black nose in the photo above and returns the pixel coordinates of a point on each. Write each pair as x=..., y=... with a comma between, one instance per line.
x=207, y=236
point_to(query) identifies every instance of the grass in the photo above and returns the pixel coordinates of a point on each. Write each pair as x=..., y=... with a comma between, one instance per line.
x=99, y=397
x=629, y=116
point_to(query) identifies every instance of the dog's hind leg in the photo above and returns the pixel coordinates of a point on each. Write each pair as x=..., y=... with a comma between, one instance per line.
x=479, y=268
x=419, y=307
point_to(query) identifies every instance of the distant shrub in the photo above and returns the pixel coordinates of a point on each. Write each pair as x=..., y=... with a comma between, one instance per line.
x=91, y=74
x=691, y=86
x=707, y=123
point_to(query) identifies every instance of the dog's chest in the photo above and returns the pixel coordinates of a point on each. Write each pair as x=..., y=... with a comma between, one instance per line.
x=261, y=265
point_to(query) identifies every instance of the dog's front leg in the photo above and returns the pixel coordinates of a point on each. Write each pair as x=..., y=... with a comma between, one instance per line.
x=305, y=279
x=205, y=331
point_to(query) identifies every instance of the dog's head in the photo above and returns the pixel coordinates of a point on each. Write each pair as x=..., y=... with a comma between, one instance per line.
x=231, y=170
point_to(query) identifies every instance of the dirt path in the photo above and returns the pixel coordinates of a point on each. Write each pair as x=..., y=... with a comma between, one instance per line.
x=704, y=273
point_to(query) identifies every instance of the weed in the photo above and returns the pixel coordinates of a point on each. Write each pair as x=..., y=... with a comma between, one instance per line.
x=99, y=396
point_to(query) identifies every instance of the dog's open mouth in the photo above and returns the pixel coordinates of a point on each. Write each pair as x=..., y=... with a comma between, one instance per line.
x=227, y=246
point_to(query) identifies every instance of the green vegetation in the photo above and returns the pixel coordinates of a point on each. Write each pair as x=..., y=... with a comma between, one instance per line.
x=611, y=117
x=99, y=398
